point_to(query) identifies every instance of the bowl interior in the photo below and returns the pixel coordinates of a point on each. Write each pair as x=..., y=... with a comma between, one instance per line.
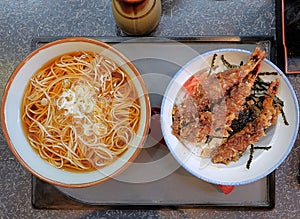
x=13, y=127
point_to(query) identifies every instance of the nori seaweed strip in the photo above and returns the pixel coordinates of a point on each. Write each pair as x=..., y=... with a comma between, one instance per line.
x=211, y=137
x=278, y=101
x=284, y=117
x=252, y=148
x=255, y=98
x=208, y=139
x=268, y=73
x=260, y=83
x=212, y=64
x=250, y=157
x=226, y=63
x=264, y=148
x=215, y=136
x=245, y=116
x=259, y=88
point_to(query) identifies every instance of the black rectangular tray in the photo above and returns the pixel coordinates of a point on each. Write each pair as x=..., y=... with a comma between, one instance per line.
x=187, y=190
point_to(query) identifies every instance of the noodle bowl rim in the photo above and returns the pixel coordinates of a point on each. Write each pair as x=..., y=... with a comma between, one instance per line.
x=142, y=93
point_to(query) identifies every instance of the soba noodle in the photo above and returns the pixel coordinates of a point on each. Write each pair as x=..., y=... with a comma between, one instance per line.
x=80, y=111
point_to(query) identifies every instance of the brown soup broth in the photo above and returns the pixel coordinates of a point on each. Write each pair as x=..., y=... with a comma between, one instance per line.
x=37, y=105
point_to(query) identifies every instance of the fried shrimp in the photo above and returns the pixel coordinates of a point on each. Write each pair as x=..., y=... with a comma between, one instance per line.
x=234, y=103
x=218, y=85
x=236, y=144
x=201, y=113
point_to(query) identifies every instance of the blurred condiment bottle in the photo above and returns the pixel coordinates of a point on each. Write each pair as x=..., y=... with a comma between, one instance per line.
x=137, y=17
